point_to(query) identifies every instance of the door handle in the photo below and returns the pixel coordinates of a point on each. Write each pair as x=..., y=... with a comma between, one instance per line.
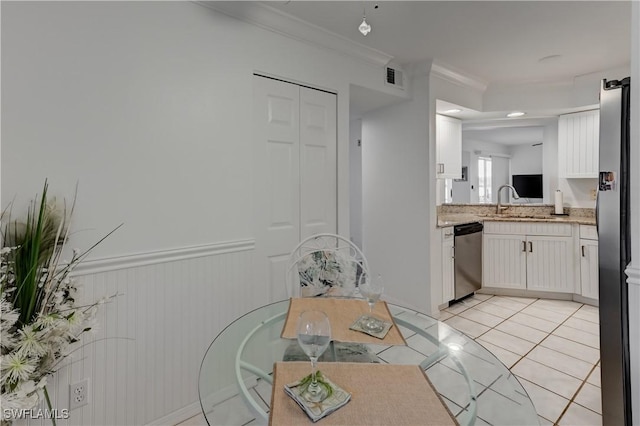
x=530, y=247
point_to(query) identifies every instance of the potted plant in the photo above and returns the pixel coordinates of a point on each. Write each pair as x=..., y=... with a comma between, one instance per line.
x=40, y=322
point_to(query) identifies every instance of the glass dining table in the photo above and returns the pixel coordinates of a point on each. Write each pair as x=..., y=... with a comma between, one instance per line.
x=476, y=387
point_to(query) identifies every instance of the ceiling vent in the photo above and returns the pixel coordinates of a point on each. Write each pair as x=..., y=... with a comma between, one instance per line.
x=394, y=77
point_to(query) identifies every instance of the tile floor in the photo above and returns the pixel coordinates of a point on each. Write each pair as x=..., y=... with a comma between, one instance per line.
x=552, y=347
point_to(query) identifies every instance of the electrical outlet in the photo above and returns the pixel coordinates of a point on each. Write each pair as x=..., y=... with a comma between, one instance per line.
x=594, y=194
x=79, y=394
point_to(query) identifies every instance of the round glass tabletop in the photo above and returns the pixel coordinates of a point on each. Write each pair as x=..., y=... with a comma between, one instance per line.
x=235, y=375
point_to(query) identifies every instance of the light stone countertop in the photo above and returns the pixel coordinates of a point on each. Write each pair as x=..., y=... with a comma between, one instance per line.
x=458, y=214
x=452, y=219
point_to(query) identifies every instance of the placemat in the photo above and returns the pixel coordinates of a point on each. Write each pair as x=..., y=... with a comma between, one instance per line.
x=342, y=313
x=381, y=394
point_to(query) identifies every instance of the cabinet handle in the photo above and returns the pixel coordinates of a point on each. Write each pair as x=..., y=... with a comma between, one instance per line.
x=530, y=247
x=453, y=252
x=524, y=246
x=582, y=247
x=448, y=234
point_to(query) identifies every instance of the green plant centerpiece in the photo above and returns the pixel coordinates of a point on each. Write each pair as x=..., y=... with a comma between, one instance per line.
x=40, y=321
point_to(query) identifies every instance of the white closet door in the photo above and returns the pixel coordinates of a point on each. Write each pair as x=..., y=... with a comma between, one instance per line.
x=276, y=181
x=318, y=192
x=295, y=174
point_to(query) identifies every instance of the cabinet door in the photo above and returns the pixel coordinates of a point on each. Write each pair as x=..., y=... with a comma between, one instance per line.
x=550, y=264
x=578, y=144
x=504, y=261
x=589, y=268
x=448, y=291
x=448, y=147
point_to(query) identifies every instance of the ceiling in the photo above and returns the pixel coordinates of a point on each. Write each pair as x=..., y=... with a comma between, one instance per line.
x=495, y=42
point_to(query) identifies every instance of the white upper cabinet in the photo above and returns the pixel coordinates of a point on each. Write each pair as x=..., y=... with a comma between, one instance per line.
x=578, y=144
x=448, y=147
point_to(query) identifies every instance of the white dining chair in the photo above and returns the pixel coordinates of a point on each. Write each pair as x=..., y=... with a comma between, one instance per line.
x=325, y=265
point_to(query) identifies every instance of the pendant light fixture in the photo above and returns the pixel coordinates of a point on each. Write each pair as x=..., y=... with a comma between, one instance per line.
x=364, y=27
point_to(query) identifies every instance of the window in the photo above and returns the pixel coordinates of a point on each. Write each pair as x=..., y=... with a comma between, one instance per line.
x=484, y=180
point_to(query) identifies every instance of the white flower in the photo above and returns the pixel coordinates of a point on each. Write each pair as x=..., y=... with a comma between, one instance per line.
x=8, y=314
x=16, y=367
x=47, y=321
x=30, y=342
x=13, y=402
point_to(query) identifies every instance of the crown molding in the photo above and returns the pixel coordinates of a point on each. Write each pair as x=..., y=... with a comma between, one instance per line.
x=295, y=28
x=447, y=72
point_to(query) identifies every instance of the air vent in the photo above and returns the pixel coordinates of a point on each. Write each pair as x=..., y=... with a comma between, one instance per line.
x=394, y=78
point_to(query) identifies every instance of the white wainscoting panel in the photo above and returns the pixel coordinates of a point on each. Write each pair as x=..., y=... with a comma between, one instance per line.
x=144, y=357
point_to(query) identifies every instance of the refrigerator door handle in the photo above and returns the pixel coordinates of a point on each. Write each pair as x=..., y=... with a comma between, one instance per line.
x=597, y=208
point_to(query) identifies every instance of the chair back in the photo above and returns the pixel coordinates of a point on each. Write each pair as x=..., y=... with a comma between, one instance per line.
x=325, y=265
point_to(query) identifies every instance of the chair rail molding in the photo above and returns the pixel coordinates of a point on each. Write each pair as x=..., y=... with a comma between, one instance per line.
x=95, y=266
x=290, y=26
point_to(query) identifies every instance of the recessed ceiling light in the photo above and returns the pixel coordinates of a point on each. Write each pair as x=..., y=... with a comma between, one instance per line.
x=515, y=114
x=452, y=111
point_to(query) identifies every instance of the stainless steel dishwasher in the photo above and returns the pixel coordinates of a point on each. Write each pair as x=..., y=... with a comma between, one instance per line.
x=467, y=259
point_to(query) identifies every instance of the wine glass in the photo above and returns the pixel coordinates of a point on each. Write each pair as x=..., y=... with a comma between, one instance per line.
x=314, y=335
x=371, y=290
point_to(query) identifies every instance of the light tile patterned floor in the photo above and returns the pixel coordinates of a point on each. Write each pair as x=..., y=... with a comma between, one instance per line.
x=552, y=346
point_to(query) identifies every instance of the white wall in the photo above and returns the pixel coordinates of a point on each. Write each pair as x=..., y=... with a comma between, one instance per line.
x=550, y=161
x=355, y=181
x=147, y=105
x=445, y=90
x=395, y=170
x=526, y=159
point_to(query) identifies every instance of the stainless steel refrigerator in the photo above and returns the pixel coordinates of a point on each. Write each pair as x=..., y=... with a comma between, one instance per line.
x=614, y=251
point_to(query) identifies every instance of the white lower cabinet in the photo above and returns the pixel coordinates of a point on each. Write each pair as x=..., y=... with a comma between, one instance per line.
x=528, y=256
x=448, y=292
x=504, y=261
x=589, y=262
x=550, y=264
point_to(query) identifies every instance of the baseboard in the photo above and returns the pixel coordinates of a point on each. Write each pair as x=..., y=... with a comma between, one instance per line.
x=196, y=408
x=178, y=416
x=514, y=292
